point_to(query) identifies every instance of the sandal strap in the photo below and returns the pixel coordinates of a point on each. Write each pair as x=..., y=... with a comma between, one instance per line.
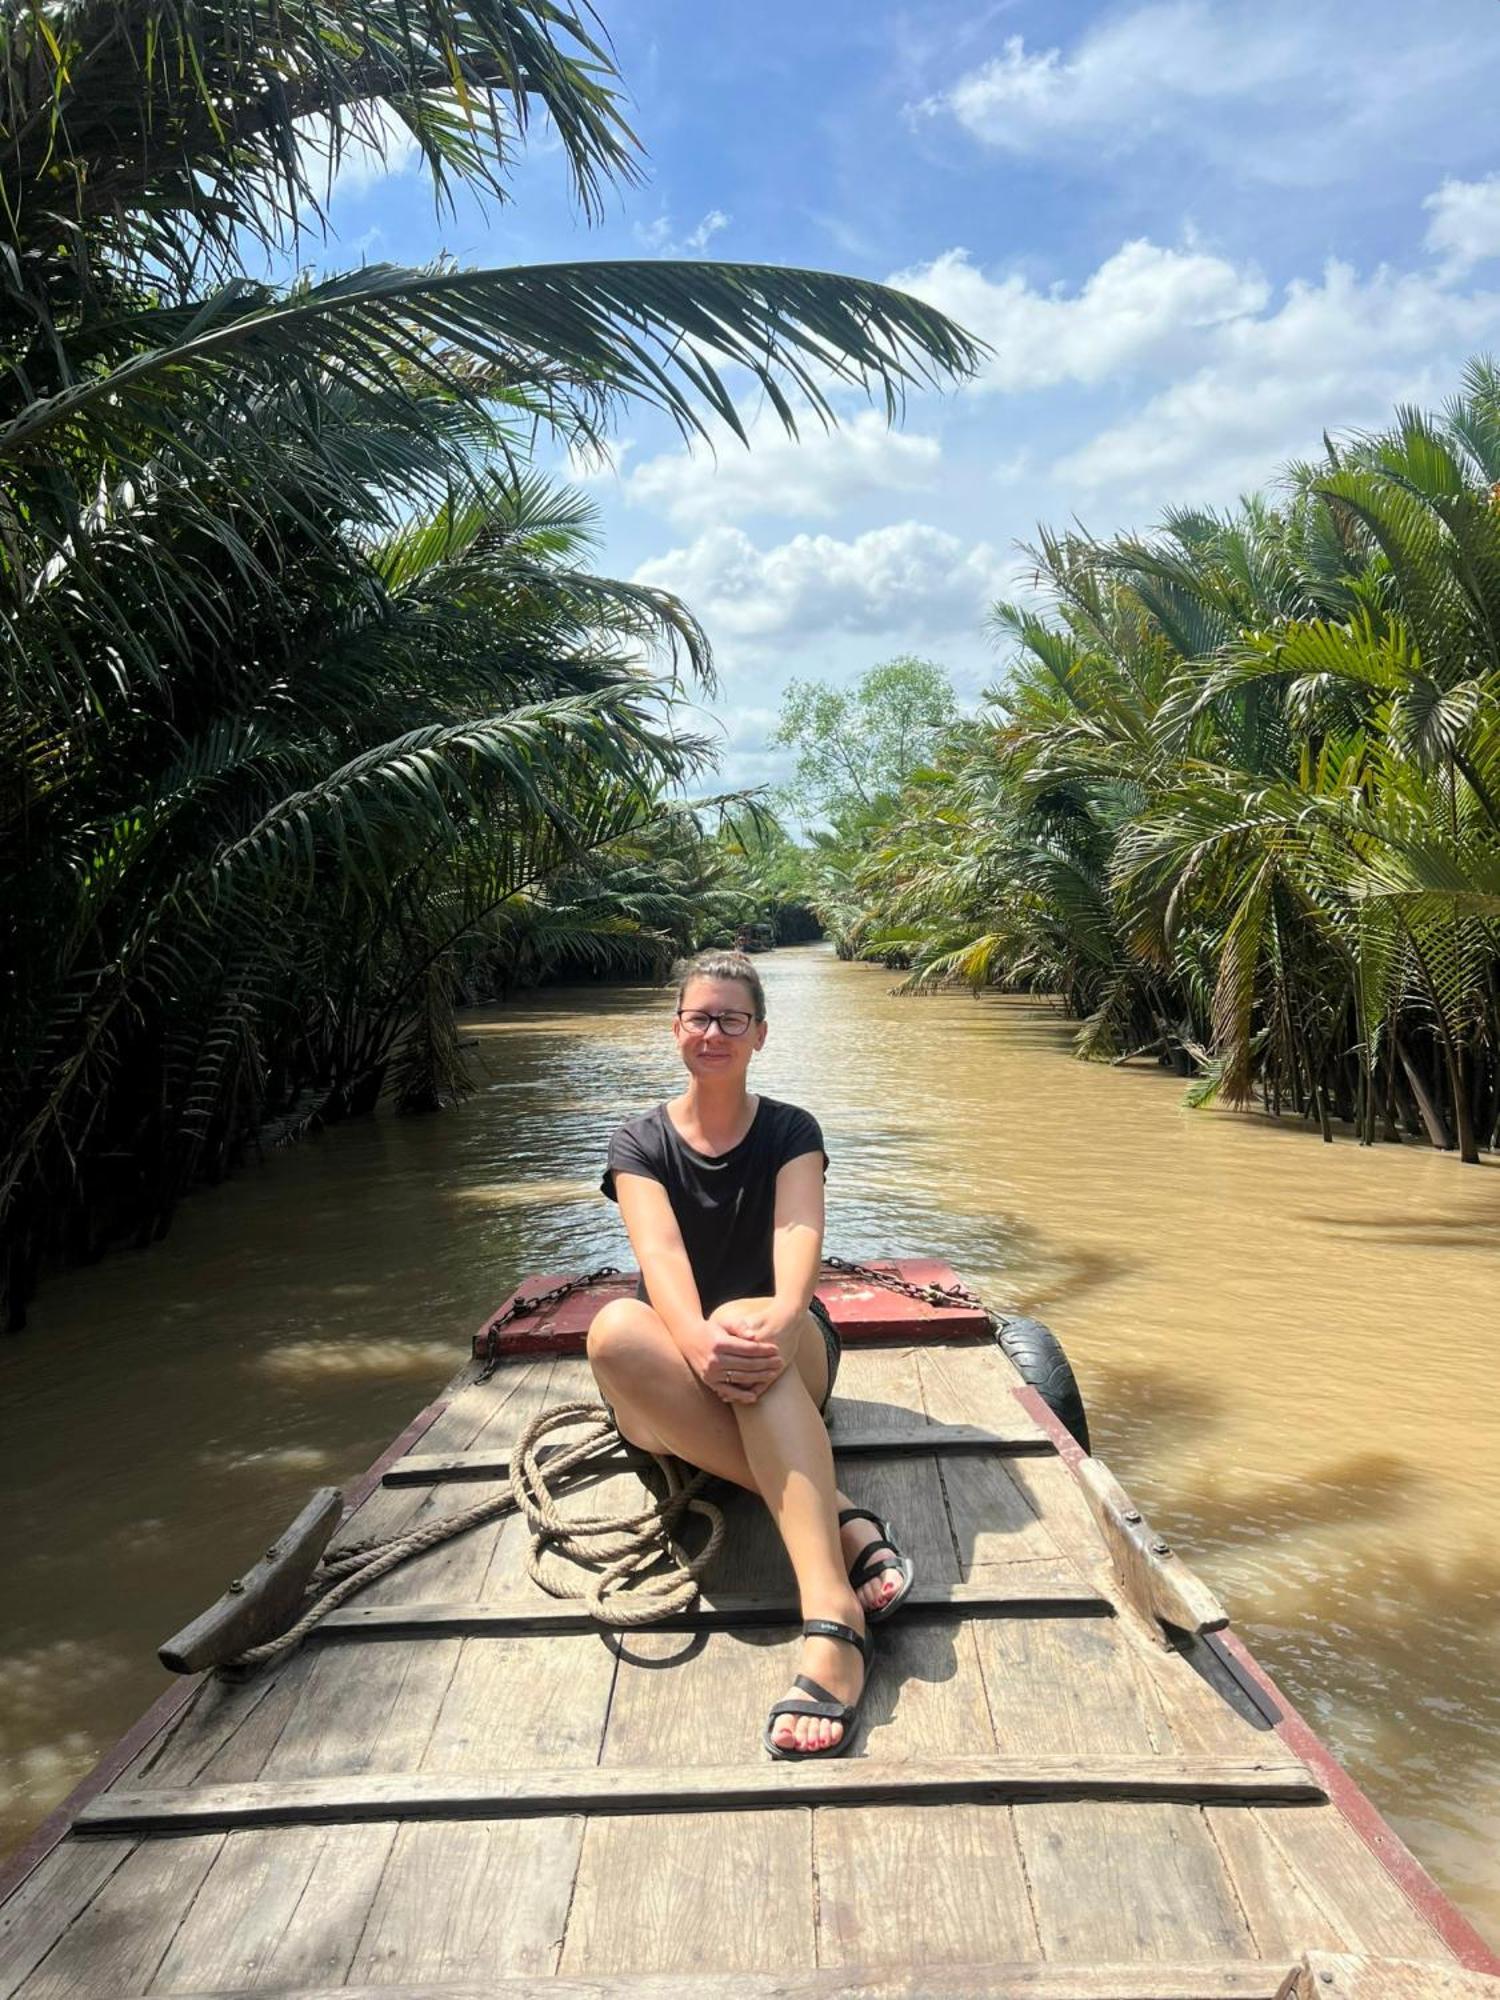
x=829, y=1711
x=830, y=1628
x=870, y=1565
x=816, y=1689
x=848, y=1514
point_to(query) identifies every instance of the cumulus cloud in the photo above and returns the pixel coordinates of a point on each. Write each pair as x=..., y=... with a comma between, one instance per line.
x=1339, y=353
x=1125, y=77
x=906, y=579
x=813, y=475
x=1279, y=91
x=1465, y=226
x=1143, y=306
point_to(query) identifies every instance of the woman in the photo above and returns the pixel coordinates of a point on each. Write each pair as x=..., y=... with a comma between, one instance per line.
x=725, y=1358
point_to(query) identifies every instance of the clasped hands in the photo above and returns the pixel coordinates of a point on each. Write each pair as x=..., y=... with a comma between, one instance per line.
x=744, y=1345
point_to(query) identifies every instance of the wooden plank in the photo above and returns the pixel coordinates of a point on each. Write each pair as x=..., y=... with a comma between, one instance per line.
x=1048, y=1487
x=1370, y=1910
x=656, y=1896
x=972, y=1385
x=228, y=1731
x=508, y=1706
x=877, y=1388
x=466, y=1901
x=283, y=1906
x=370, y=1712
x=927, y=1701
x=1281, y=1906
x=480, y=1408
x=1346, y=1976
x=1026, y=1590
x=1153, y=1578
x=116, y=1943
x=906, y=1887
x=1112, y=1881
x=686, y=1698
x=993, y=1522
x=1065, y=1684
x=858, y=1440
x=263, y=1602
x=1239, y=1981
x=699, y=1789
x=49, y=1900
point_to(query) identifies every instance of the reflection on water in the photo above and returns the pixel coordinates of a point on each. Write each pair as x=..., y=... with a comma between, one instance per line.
x=1287, y=1350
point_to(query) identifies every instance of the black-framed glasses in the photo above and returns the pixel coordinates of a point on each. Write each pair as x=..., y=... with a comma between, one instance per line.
x=698, y=1021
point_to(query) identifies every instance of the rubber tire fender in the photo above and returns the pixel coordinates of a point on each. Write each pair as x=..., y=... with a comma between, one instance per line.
x=1037, y=1354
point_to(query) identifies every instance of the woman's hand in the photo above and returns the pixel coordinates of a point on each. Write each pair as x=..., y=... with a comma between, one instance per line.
x=772, y=1329
x=736, y=1367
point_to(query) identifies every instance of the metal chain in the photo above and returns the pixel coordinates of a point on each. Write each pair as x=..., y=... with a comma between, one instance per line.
x=956, y=1294
x=521, y=1307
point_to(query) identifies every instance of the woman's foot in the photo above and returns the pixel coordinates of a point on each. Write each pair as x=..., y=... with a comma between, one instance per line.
x=839, y=1667
x=860, y=1539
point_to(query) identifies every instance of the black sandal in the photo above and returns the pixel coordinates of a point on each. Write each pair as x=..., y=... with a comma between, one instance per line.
x=823, y=1703
x=867, y=1567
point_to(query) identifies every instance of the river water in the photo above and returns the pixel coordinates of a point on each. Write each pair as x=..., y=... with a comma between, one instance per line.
x=1288, y=1351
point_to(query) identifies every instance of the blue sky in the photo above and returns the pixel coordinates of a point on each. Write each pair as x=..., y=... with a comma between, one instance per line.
x=1196, y=233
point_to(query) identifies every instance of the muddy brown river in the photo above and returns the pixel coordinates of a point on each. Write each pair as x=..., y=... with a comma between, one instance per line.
x=1289, y=1352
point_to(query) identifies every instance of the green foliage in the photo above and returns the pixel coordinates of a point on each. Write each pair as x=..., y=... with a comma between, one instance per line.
x=858, y=747
x=314, y=716
x=1238, y=798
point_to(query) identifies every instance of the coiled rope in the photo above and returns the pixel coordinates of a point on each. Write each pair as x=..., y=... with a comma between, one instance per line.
x=646, y=1574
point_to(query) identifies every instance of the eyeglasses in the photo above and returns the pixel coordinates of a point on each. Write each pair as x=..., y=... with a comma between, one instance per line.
x=697, y=1022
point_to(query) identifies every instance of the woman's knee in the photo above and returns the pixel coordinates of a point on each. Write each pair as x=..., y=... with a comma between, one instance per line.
x=624, y=1331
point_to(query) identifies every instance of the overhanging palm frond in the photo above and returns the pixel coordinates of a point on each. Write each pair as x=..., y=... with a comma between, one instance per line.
x=658, y=332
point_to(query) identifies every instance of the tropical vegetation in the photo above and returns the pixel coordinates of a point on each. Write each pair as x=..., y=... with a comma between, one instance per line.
x=315, y=715
x=1237, y=799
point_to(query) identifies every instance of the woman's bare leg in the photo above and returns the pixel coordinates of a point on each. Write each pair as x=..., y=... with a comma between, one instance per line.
x=777, y=1446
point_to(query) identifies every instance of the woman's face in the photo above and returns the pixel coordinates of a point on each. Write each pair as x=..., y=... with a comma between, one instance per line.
x=708, y=1051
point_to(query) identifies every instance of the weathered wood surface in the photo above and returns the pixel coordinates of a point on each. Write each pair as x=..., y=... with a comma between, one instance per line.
x=1326, y=1975
x=1040, y=1589
x=419, y=1468
x=1153, y=1578
x=469, y=1789
x=698, y=1789
x=1018, y=1980
x=265, y=1600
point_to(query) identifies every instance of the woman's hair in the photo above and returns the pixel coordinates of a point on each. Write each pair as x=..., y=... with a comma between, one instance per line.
x=721, y=965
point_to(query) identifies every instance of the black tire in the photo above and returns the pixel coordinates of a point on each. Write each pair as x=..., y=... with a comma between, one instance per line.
x=1038, y=1354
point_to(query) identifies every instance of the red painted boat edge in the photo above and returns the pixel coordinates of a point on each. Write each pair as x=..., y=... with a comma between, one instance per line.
x=1430, y=1902
x=863, y=1313
x=20, y=1866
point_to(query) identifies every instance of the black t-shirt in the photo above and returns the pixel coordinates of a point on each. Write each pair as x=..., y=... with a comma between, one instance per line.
x=725, y=1206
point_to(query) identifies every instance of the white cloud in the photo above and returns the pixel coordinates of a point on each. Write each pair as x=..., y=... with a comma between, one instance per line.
x=907, y=579
x=660, y=239
x=1144, y=306
x=1278, y=92
x=813, y=475
x=1337, y=354
x=380, y=145
x=1465, y=226
x=1125, y=78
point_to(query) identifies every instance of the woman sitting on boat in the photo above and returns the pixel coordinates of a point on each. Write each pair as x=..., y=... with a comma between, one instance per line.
x=725, y=1358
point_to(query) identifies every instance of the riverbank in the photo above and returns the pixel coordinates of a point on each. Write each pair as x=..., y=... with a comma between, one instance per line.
x=1286, y=1349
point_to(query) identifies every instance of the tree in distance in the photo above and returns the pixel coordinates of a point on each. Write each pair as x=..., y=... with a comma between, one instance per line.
x=858, y=747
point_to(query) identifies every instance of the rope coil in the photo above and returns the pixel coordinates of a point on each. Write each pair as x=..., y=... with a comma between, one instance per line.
x=624, y=1595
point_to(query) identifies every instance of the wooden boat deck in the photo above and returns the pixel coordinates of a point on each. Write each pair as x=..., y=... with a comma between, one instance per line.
x=461, y=1787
